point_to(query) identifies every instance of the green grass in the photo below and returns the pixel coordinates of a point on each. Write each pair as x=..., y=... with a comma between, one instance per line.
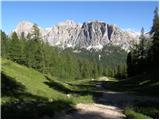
x=27, y=88
x=142, y=110
x=31, y=79
x=35, y=82
x=131, y=114
x=143, y=84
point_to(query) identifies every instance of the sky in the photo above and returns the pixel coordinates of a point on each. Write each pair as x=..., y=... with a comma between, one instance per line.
x=127, y=14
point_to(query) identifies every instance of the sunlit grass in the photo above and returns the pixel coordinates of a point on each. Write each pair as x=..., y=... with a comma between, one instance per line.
x=34, y=83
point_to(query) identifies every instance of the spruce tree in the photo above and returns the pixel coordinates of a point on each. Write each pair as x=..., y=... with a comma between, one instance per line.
x=4, y=44
x=154, y=51
x=15, y=48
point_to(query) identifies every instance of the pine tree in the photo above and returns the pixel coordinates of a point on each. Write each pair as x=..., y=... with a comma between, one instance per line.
x=35, y=53
x=22, y=43
x=141, y=45
x=130, y=70
x=15, y=48
x=4, y=44
x=141, y=50
x=154, y=50
x=29, y=51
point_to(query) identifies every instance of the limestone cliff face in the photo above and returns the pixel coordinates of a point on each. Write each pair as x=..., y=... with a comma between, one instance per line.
x=93, y=34
x=64, y=34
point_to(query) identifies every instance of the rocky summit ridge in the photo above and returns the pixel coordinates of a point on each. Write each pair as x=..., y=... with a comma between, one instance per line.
x=92, y=34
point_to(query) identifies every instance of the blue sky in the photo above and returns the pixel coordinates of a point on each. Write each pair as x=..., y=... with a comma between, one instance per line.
x=127, y=15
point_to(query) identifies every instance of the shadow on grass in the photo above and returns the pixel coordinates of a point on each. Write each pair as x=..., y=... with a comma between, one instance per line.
x=148, y=108
x=25, y=105
x=34, y=109
x=32, y=106
x=58, y=87
x=144, y=85
x=82, y=89
x=9, y=87
x=86, y=115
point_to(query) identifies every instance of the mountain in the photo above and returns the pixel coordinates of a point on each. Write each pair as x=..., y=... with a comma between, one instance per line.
x=91, y=34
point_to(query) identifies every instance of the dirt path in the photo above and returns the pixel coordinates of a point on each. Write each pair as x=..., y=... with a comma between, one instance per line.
x=107, y=106
x=95, y=111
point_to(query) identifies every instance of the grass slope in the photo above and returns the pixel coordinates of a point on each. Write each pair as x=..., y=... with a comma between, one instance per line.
x=33, y=81
x=24, y=90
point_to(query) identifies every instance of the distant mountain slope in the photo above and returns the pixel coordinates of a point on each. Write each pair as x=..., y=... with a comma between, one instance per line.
x=92, y=34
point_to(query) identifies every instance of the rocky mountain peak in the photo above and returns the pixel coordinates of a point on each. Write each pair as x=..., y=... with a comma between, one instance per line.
x=23, y=26
x=70, y=23
x=92, y=34
x=25, y=23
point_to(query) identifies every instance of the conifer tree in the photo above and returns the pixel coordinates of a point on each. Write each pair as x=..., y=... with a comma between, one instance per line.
x=14, y=48
x=4, y=44
x=154, y=50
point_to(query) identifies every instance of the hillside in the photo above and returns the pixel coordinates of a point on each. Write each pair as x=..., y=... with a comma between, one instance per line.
x=22, y=85
x=28, y=78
